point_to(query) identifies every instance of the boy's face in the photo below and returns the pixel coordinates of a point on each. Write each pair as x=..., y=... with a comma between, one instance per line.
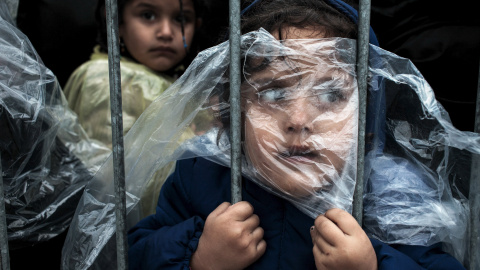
x=151, y=31
x=300, y=117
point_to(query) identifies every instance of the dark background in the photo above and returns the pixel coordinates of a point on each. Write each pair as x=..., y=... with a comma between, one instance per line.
x=442, y=39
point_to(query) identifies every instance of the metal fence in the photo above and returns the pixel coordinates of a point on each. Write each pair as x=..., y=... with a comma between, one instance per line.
x=117, y=127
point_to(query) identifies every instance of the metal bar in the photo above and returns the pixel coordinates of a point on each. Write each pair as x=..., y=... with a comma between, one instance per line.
x=362, y=72
x=235, y=125
x=5, y=257
x=117, y=132
x=474, y=197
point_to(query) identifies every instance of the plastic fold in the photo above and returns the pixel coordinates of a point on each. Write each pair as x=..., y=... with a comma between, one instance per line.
x=46, y=158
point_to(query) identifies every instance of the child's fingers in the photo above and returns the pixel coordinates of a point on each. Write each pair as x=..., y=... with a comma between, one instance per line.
x=261, y=248
x=252, y=222
x=241, y=210
x=319, y=257
x=220, y=209
x=343, y=220
x=257, y=234
x=319, y=243
x=261, y=245
x=327, y=230
x=257, y=244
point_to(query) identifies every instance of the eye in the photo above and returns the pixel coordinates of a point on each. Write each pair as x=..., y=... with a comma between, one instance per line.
x=179, y=18
x=187, y=17
x=332, y=96
x=272, y=95
x=148, y=15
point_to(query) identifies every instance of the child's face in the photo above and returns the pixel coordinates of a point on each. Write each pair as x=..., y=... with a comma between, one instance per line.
x=151, y=31
x=300, y=119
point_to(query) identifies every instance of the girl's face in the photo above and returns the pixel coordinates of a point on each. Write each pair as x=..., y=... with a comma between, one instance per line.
x=300, y=118
x=151, y=31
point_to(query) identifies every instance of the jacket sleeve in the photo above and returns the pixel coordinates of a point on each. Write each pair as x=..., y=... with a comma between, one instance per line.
x=413, y=257
x=167, y=239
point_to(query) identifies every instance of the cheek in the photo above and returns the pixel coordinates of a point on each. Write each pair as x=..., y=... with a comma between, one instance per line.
x=261, y=127
x=341, y=140
x=339, y=121
x=336, y=133
x=189, y=33
x=261, y=136
x=133, y=40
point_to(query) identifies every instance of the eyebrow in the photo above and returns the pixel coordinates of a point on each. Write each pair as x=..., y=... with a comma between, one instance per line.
x=189, y=12
x=275, y=80
x=187, y=9
x=144, y=5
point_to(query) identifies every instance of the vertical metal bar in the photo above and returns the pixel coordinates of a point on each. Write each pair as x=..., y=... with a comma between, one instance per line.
x=5, y=257
x=362, y=72
x=117, y=132
x=235, y=125
x=474, y=197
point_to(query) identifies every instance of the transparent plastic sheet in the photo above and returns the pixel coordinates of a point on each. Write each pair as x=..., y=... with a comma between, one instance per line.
x=46, y=157
x=417, y=178
x=414, y=152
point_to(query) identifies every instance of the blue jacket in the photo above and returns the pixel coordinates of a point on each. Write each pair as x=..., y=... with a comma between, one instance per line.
x=168, y=239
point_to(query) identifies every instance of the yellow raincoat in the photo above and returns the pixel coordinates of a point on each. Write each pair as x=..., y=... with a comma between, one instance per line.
x=88, y=94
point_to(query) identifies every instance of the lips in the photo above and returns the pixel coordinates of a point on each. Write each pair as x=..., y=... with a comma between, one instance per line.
x=163, y=50
x=299, y=154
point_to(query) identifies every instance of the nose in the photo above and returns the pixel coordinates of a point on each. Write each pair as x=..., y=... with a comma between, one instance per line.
x=165, y=30
x=299, y=117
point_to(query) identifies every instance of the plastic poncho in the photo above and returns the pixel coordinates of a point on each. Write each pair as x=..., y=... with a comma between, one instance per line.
x=46, y=157
x=88, y=94
x=416, y=161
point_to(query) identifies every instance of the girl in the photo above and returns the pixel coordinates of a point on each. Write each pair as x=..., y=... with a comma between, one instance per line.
x=156, y=42
x=157, y=39
x=300, y=108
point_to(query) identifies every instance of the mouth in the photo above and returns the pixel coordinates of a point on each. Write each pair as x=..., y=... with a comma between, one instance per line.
x=300, y=154
x=163, y=50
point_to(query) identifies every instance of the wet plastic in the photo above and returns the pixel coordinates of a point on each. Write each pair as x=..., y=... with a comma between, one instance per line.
x=417, y=163
x=46, y=158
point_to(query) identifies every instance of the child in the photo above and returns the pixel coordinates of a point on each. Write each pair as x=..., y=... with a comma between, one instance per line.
x=299, y=104
x=299, y=111
x=156, y=42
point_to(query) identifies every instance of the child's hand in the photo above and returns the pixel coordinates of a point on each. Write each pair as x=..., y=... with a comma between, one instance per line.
x=340, y=243
x=231, y=238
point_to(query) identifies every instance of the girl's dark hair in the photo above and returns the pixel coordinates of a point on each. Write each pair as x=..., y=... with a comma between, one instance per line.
x=100, y=19
x=273, y=15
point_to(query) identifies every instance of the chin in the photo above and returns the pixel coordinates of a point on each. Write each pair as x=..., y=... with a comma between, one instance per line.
x=296, y=185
